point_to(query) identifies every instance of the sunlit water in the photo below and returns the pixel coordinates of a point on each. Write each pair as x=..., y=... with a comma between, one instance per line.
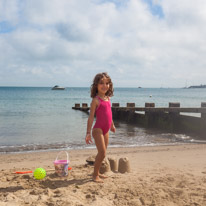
x=41, y=118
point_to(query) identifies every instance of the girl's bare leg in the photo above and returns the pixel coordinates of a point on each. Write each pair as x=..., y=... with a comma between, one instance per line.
x=101, y=148
x=106, y=141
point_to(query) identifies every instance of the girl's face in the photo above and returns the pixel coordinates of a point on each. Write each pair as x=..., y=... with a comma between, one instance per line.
x=103, y=86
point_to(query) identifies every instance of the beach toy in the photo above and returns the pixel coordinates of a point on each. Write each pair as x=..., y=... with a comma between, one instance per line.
x=39, y=173
x=61, y=166
x=23, y=172
x=26, y=172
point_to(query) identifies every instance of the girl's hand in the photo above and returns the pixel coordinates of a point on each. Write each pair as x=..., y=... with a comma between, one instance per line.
x=88, y=139
x=113, y=129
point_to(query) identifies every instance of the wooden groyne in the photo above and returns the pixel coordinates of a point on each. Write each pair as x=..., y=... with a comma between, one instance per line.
x=83, y=108
x=168, y=118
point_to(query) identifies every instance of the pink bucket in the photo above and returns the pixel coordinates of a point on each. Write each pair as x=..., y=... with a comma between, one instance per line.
x=61, y=166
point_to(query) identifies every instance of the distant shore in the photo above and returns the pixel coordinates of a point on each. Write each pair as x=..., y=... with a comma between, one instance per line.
x=197, y=86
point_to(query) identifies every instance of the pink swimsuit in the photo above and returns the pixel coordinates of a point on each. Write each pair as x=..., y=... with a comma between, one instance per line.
x=103, y=115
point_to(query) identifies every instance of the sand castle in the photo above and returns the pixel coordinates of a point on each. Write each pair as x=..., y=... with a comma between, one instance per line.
x=105, y=167
x=112, y=164
x=124, y=165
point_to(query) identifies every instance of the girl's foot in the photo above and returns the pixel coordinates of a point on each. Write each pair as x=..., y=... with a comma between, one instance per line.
x=103, y=176
x=97, y=179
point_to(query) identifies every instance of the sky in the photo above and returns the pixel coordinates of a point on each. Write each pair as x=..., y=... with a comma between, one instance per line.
x=147, y=43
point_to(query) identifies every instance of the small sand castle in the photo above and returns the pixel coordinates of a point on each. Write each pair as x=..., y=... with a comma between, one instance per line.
x=124, y=165
x=112, y=165
x=105, y=167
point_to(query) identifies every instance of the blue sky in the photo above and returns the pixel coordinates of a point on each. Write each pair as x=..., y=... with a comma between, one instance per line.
x=148, y=43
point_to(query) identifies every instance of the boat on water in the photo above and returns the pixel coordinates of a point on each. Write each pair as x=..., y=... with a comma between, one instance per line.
x=56, y=87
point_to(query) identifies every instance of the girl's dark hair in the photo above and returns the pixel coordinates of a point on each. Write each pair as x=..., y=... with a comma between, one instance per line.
x=96, y=81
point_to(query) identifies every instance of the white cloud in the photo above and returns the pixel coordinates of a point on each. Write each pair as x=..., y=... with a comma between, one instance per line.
x=9, y=11
x=70, y=41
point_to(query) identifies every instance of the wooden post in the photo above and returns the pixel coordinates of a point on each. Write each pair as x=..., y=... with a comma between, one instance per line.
x=203, y=115
x=84, y=105
x=149, y=104
x=77, y=106
x=174, y=105
x=130, y=104
x=115, y=104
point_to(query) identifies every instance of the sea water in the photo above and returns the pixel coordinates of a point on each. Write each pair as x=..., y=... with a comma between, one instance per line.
x=38, y=118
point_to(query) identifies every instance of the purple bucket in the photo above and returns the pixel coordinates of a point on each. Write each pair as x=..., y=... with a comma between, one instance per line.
x=61, y=166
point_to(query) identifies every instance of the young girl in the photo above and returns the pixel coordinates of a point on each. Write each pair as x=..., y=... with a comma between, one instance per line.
x=101, y=91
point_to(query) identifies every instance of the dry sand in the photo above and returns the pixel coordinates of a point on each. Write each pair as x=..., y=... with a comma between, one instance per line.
x=163, y=175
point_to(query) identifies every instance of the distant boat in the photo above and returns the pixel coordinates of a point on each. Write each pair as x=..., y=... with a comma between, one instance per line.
x=56, y=87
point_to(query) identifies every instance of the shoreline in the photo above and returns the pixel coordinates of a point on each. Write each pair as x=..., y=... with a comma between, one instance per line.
x=160, y=175
x=86, y=152
x=52, y=147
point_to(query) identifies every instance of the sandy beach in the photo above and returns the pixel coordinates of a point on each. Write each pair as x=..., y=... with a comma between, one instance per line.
x=160, y=176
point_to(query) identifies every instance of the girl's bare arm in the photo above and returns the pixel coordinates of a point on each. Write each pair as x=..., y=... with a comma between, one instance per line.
x=93, y=107
x=113, y=129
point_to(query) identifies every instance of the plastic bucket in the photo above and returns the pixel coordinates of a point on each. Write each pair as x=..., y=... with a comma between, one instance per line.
x=61, y=166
